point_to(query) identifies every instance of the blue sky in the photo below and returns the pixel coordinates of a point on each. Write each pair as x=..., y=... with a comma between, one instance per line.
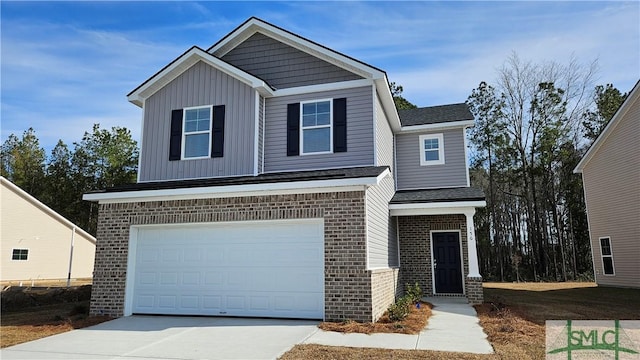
x=67, y=65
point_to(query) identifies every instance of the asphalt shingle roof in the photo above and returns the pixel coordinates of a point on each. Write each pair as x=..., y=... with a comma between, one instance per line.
x=435, y=114
x=438, y=195
x=347, y=173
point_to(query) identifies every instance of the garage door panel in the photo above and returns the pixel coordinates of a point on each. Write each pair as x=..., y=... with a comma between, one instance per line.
x=240, y=269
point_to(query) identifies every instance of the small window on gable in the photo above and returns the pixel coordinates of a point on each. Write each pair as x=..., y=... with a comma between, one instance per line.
x=607, y=256
x=196, y=140
x=316, y=126
x=20, y=254
x=431, y=149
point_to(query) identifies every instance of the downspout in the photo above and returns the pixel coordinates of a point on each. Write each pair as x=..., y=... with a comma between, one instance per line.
x=73, y=238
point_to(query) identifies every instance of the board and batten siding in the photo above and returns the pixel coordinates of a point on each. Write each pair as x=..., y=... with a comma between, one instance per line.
x=283, y=66
x=612, y=191
x=359, y=133
x=200, y=85
x=411, y=175
x=384, y=137
x=382, y=243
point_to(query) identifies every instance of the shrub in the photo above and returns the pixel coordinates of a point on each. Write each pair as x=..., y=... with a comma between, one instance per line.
x=414, y=292
x=399, y=310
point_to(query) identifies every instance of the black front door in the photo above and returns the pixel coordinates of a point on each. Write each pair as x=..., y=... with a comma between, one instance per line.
x=446, y=262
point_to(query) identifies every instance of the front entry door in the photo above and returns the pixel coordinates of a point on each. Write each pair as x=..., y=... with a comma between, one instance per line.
x=446, y=262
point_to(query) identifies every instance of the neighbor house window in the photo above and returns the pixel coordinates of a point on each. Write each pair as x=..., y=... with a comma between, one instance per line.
x=431, y=149
x=196, y=140
x=20, y=254
x=607, y=256
x=316, y=126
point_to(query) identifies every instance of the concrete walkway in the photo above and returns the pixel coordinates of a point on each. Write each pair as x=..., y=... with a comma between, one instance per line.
x=453, y=326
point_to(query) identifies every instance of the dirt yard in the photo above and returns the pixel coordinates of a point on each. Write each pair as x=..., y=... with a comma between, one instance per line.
x=513, y=317
x=29, y=314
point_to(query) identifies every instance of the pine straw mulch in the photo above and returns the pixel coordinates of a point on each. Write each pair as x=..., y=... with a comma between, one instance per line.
x=413, y=324
x=34, y=323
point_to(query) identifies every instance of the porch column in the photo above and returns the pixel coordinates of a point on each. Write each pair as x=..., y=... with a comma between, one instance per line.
x=472, y=252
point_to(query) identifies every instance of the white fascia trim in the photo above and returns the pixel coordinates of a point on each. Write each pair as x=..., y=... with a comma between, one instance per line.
x=141, y=142
x=375, y=124
x=388, y=105
x=237, y=190
x=254, y=25
x=438, y=208
x=184, y=63
x=323, y=87
x=438, y=126
x=44, y=208
x=622, y=110
x=256, y=134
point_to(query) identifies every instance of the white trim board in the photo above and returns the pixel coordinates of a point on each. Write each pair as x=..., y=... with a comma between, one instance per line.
x=435, y=208
x=294, y=187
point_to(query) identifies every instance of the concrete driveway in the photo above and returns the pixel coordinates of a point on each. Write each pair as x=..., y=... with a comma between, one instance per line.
x=167, y=337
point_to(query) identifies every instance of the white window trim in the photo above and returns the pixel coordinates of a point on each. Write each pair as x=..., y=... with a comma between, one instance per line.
x=440, y=161
x=28, y=252
x=602, y=256
x=303, y=128
x=184, y=132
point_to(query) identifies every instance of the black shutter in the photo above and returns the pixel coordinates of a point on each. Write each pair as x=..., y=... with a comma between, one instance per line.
x=293, y=129
x=340, y=125
x=217, y=132
x=175, y=138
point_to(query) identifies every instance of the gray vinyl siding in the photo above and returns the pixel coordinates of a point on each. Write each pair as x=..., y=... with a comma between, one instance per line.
x=359, y=133
x=199, y=85
x=612, y=190
x=283, y=66
x=384, y=137
x=411, y=175
x=382, y=242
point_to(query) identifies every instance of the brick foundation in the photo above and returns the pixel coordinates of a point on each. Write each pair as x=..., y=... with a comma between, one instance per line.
x=348, y=284
x=475, y=293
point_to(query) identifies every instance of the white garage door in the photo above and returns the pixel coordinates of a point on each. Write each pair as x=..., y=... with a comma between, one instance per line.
x=262, y=269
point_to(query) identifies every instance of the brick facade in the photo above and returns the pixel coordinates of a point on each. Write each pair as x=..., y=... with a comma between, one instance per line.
x=348, y=284
x=415, y=251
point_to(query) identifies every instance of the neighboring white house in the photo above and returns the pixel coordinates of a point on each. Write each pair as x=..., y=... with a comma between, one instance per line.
x=38, y=243
x=611, y=176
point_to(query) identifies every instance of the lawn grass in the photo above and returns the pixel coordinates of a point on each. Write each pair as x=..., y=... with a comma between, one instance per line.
x=513, y=316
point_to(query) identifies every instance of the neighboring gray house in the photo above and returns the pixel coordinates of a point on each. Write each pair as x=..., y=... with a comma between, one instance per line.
x=278, y=179
x=611, y=176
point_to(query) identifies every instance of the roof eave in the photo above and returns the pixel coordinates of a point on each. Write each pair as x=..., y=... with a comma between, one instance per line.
x=182, y=64
x=622, y=110
x=438, y=126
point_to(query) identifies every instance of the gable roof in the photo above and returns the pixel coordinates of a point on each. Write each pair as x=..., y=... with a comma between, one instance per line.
x=183, y=63
x=435, y=114
x=634, y=95
x=254, y=25
x=44, y=208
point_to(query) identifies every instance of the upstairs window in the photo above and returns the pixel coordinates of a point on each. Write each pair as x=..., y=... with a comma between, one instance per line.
x=20, y=254
x=316, y=126
x=197, y=133
x=607, y=256
x=431, y=149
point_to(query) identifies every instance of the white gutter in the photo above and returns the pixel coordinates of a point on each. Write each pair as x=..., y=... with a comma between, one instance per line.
x=437, y=126
x=434, y=208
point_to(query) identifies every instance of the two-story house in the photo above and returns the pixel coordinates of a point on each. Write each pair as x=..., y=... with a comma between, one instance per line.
x=277, y=179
